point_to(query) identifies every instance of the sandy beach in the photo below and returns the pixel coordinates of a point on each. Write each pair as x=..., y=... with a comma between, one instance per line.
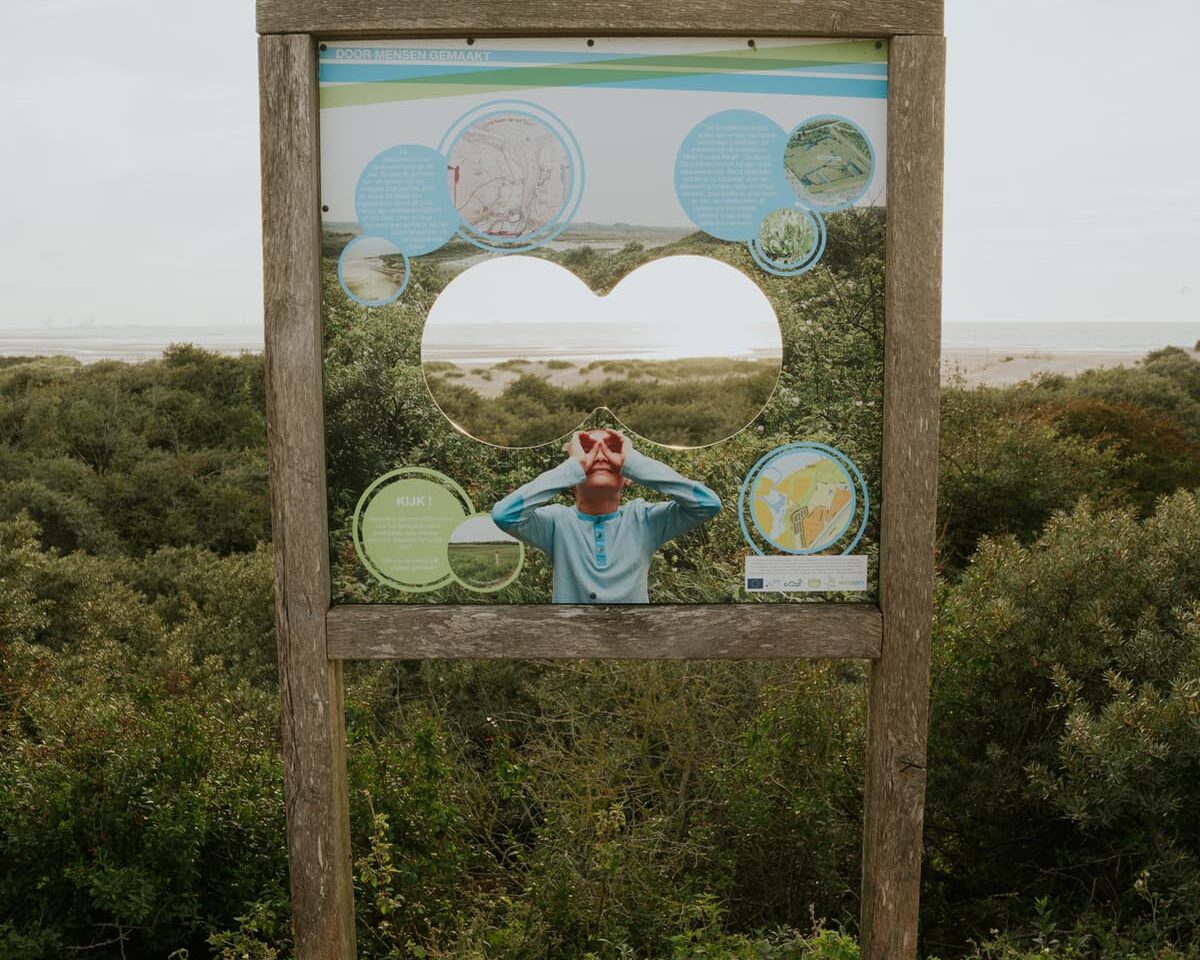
x=489, y=380
x=970, y=366
x=981, y=366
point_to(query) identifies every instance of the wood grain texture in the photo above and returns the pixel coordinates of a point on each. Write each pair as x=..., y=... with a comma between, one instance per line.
x=898, y=707
x=479, y=18
x=313, y=731
x=557, y=631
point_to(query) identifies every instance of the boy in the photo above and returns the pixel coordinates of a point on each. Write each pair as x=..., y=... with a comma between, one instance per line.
x=600, y=548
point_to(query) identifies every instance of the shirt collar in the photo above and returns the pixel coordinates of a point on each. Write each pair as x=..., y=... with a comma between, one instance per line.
x=597, y=517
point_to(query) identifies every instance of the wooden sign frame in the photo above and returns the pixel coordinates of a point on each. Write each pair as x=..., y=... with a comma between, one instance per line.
x=314, y=639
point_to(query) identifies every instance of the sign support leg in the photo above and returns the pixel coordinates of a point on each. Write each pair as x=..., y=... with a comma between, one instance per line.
x=898, y=706
x=313, y=719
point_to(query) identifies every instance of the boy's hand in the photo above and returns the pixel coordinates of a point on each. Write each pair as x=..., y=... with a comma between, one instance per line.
x=617, y=447
x=586, y=447
x=582, y=449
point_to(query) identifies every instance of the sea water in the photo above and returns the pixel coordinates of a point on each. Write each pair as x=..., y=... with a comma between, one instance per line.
x=141, y=343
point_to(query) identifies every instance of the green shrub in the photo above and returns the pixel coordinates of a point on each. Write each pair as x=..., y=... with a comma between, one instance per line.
x=1164, y=384
x=1003, y=471
x=1155, y=457
x=122, y=458
x=140, y=801
x=1064, y=748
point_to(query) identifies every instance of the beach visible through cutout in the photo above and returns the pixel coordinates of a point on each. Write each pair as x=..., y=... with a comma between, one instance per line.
x=684, y=351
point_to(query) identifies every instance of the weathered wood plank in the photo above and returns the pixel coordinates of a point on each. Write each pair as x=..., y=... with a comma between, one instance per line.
x=478, y=18
x=559, y=631
x=310, y=684
x=899, y=690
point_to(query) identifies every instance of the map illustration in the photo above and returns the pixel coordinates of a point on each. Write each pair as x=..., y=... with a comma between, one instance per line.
x=509, y=175
x=828, y=162
x=802, y=501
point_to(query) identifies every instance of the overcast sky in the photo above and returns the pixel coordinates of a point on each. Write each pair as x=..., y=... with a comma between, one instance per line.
x=130, y=160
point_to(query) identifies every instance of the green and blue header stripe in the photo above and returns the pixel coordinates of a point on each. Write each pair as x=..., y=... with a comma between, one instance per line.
x=354, y=75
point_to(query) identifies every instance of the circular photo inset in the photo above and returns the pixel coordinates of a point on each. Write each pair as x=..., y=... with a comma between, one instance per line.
x=510, y=176
x=482, y=556
x=789, y=237
x=829, y=162
x=802, y=500
x=373, y=271
x=790, y=241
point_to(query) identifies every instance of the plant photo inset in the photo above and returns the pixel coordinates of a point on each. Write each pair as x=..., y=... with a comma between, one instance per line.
x=684, y=351
x=789, y=237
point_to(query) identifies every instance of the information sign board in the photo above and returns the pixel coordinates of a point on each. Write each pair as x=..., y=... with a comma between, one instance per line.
x=608, y=317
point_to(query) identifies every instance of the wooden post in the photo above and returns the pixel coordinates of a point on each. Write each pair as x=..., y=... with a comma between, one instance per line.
x=313, y=723
x=898, y=706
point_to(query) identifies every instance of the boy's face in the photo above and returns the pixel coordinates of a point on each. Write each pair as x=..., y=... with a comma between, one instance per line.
x=603, y=457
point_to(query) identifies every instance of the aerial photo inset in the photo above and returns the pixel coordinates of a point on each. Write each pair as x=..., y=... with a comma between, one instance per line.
x=828, y=162
x=509, y=175
x=788, y=236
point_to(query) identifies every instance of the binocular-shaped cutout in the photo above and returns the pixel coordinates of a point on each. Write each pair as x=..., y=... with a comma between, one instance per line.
x=684, y=351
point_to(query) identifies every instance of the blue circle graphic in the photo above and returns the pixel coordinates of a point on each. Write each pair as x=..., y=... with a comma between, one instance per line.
x=729, y=173
x=844, y=463
x=402, y=195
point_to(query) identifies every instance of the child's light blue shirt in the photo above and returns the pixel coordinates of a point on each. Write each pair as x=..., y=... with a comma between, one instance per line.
x=604, y=559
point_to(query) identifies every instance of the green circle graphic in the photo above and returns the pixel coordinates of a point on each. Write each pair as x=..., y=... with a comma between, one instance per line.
x=402, y=524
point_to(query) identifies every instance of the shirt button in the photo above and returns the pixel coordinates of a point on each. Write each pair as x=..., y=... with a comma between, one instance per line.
x=591, y=596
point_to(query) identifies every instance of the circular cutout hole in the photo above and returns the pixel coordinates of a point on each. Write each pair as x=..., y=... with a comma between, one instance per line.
x=519, y=351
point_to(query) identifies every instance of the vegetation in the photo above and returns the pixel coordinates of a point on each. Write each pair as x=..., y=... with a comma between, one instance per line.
x=545, y=811
x=1012, y=456
x=653, y=401
x=480, y=564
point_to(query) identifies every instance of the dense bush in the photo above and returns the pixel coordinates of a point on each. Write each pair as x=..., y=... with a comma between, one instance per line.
x=114, y=457
x=140, y=794
x=1004, y=472
x=1153, y=455
x=1167, y=383
x=535, y=811
x=1065, y=742
x=1011, y=456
